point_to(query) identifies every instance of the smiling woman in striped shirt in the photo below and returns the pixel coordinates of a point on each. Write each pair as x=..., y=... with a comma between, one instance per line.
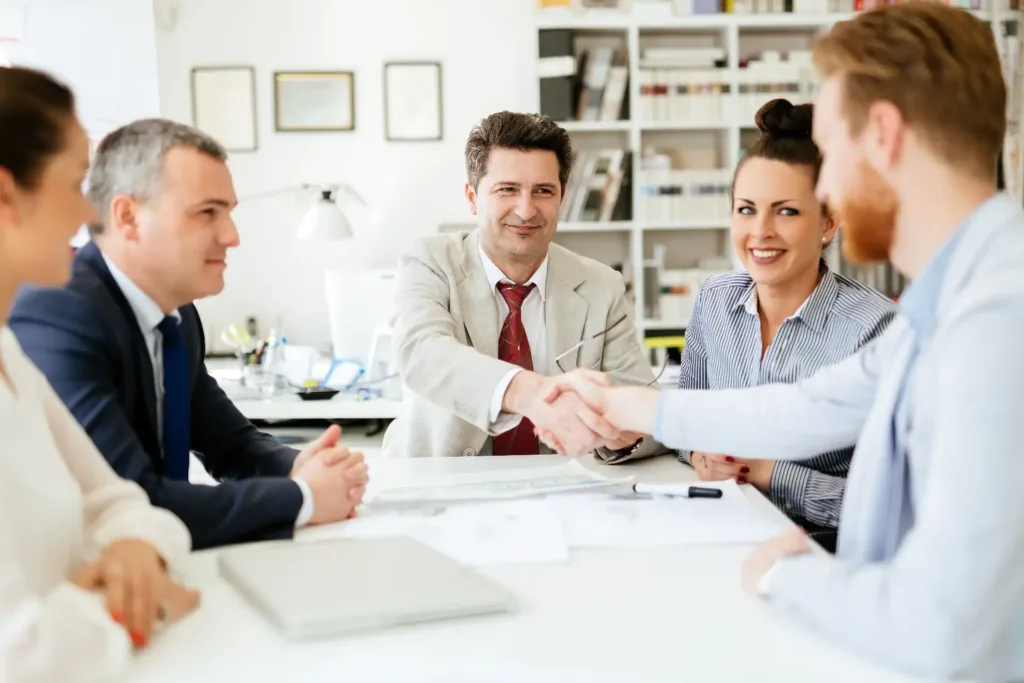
x=786, y=316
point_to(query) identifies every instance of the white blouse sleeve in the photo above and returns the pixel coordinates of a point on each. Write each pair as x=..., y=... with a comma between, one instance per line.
x=115, y=508
x=65, y=635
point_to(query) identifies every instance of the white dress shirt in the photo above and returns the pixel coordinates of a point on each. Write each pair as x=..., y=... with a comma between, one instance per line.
x=536, y=332
x=149, y=315
x=60, y=504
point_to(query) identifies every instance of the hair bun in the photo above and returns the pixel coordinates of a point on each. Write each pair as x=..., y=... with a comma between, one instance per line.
x=782, y=119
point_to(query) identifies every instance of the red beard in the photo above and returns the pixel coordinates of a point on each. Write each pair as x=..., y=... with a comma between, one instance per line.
x=867, y=219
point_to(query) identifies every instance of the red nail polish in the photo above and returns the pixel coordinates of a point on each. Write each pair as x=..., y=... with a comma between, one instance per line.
x=745, y=470
x=137, y=639
x=117, y=616
x=729, y=458
x=741, y=480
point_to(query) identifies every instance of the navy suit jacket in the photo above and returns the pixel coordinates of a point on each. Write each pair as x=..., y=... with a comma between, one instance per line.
x=86, y=340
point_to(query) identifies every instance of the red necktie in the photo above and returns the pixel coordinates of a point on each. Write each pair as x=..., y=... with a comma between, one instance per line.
x=514, y=347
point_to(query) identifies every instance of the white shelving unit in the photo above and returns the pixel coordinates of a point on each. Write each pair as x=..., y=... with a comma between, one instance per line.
x=726, y=31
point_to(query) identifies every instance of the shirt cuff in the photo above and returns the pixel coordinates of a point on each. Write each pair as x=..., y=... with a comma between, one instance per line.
x=788, y=487
x=499, y=394
x=764, y=585
x=659, y=418
x=306, y=511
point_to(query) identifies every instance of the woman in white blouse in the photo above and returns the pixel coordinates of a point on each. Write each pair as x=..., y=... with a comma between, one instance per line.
x=84, y=558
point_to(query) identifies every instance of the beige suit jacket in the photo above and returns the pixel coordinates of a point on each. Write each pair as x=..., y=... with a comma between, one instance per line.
x=446, y=339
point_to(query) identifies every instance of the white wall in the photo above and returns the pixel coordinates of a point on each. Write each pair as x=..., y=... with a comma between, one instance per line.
x=488, y=52
x=84, y=43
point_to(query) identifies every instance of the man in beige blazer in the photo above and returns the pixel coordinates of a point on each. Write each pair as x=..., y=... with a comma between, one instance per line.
x=486, y=319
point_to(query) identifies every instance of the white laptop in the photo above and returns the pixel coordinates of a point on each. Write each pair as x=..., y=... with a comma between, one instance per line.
x=341, y=586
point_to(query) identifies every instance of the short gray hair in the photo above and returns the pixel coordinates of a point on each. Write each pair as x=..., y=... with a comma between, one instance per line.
x=130, y=161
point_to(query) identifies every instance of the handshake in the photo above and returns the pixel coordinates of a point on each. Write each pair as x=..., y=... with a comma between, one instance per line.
x=579, y=411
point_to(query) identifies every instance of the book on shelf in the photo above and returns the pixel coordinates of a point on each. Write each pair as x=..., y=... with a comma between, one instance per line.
x=654, y=8
x=599, y=187
x=588, y=85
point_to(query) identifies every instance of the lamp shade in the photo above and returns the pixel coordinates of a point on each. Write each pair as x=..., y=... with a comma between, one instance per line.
x=325, y=220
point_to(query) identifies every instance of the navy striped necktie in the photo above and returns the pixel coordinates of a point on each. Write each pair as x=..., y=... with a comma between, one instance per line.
x=176, y=407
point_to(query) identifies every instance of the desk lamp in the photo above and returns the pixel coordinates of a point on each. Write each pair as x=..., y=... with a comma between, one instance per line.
x=324, y=220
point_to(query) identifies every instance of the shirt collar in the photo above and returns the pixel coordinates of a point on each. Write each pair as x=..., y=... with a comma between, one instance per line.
x=813, y=311
x=147, y=311
x=494, y=275
x=919, y=302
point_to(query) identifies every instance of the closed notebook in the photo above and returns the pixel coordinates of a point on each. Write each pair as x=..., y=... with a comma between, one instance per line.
x=333, y=587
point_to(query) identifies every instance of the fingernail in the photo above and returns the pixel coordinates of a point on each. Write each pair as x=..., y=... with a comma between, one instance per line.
x=741, y=480
x=745, y=470
x=729, y=458
x=117, y=616
x=138, y=640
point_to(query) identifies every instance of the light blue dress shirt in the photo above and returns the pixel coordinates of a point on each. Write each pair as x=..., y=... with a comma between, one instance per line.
x=929, y=573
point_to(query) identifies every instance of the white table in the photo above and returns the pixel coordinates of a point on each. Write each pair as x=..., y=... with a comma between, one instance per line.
x=341, y=407
x=290, y=407
x=671, y=614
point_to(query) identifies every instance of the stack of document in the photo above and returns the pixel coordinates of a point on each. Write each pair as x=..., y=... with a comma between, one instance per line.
x=494, y=485
x=477, y=534
x=536, y=515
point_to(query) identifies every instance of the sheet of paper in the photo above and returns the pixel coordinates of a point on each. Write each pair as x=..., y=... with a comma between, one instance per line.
x=475, y=534
x=500, y=484
x=610, y=521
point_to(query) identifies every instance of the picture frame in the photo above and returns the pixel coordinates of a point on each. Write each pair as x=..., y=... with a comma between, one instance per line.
x=413, y=101
x=314, y=101
x=224, y=105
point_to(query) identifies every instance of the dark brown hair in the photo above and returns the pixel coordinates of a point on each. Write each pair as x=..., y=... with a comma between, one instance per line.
x=510, y=130
x=34, y=113
x=785, y=136
x=937, y=64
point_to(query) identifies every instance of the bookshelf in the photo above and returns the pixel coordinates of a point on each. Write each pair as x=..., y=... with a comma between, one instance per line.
x=670, y=243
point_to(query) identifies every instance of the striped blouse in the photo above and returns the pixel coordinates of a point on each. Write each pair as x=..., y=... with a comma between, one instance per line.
x=723, y=351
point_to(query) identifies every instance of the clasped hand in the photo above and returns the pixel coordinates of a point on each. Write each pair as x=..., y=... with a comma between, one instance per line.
x=138, y=592
x=336, y=477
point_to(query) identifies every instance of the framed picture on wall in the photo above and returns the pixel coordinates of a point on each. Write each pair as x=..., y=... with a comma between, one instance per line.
x=224, y=105
x=314, y=101
x=412, y=101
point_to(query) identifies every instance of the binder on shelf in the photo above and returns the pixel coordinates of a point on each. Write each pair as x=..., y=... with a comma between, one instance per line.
x=558, y=75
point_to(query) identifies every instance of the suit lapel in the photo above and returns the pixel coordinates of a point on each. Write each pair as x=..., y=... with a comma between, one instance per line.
x=480, y=310
x=565, y=311
x=91, y=256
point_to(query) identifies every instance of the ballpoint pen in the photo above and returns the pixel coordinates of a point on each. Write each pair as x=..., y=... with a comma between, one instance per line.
x=676, y=491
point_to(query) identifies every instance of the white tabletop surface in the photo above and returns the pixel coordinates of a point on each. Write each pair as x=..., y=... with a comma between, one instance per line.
x=341, y=407
x=288, y=406
x=667, y=614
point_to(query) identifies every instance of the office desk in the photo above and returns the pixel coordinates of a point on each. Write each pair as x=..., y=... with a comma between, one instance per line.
x=668, y=614
x=291, y=407
x=338, y=408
